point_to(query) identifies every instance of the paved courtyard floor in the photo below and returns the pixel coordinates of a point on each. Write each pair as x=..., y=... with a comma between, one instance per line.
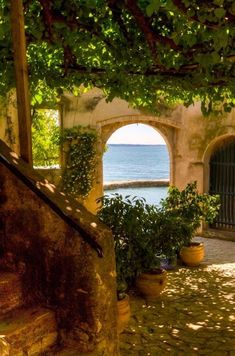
x=195, y=315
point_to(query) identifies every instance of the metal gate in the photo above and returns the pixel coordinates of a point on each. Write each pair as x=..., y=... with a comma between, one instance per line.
x=222, y=182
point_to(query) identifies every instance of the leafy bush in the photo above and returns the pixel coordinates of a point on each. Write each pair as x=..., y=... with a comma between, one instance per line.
x=45, y=138
x=142, y=231
x=191, y=207
x=130, y=220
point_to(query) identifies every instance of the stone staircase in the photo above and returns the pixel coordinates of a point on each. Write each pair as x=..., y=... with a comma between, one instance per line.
x=57, y=294
x=23, y=331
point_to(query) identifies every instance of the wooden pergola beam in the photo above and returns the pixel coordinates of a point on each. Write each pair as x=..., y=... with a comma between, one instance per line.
x=21, y=76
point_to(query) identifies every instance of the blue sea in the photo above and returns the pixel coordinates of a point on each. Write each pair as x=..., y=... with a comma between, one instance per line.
x=137, y=162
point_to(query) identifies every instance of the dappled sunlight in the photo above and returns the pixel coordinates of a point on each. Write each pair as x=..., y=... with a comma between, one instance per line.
x=113, y=274
x=194, y=315
x=47, y=185
x=14, y=155
x=93, y=224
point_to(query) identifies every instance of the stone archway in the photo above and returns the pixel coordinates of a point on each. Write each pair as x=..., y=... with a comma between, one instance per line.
x=92, y=109
x=108, y=127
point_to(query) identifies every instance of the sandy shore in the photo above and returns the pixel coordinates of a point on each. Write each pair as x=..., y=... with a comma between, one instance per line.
x=136, y=183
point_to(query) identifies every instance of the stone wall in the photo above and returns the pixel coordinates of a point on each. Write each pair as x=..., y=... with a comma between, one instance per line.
x=194, y=144
x=59, y=269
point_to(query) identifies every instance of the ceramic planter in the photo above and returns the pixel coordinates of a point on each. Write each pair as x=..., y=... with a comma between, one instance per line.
x=151, y=284
x=124, y=313
x=193, y=254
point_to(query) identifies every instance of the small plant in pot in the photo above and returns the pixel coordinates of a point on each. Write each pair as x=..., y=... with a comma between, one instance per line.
x=169, y=229
x=136, y=244
x=150, y=278
x=193, y=208
x=123, y=306
x=119, y=213
x=124, y=216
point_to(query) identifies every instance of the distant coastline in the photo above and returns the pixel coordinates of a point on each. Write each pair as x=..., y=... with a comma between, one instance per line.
x=136, y=184
x=136, y=144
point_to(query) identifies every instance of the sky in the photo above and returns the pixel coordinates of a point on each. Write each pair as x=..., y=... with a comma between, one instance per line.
x=136, y=134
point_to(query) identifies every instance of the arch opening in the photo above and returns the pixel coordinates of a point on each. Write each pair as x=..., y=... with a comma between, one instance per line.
x=137, y=162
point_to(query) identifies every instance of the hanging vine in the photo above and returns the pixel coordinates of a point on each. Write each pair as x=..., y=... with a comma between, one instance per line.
x=79, y=147
x=142, y=51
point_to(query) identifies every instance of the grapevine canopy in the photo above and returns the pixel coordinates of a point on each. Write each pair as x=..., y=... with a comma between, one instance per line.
x=143, y=51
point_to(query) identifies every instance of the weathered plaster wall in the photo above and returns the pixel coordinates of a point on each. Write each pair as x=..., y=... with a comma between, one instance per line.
x=194, y=143
x=91, y=109
x=58, y=268
x=189, y=136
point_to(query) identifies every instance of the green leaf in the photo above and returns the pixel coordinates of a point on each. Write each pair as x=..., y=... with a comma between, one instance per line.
x=150, y=10
x=152, y=7
x=220, y=39
x=218, y=2
x=232, y=8
x=220, y=12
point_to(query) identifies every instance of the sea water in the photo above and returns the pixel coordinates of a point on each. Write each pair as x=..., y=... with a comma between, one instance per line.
x=137, y=162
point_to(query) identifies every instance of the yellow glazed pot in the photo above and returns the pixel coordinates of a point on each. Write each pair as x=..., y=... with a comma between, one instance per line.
x=151, y=284
x=124, y=313
x=193, y=254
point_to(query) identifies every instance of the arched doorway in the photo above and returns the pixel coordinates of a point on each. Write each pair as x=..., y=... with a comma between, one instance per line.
x=137, y=162
x=222, y=182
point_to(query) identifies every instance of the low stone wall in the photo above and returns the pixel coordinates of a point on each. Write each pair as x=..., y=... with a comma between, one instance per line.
x=228, y=235
x=136, y=184
x=53, y=175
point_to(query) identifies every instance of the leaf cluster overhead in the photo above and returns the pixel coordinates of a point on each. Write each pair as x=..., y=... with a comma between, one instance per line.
x=140, y=50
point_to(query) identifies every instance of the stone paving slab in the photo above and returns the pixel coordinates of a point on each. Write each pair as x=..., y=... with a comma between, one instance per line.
x=195, y=315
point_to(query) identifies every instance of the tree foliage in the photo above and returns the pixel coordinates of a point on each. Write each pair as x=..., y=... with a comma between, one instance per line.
x=45, y=138
x=139, y=50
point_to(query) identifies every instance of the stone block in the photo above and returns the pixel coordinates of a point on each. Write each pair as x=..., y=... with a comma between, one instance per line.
x=10, y=292
x=28, y=332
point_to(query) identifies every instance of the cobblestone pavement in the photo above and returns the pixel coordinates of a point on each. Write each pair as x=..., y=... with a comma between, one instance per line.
x=195, y=315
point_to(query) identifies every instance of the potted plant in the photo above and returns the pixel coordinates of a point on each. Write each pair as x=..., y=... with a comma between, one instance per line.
x=124, y=216
x=117, y=213
x=169, y=229
x=123, y=307
x=192, y=208
x=132, y=222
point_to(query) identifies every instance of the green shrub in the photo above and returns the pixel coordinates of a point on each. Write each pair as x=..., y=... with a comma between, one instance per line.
x=191, y=208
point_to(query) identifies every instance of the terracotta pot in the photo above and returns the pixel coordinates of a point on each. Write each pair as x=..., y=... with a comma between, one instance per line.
x=151, y=284
x=193, y=254
x=124, y=313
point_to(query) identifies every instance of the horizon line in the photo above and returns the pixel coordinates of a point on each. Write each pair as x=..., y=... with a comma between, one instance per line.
x=138, y=144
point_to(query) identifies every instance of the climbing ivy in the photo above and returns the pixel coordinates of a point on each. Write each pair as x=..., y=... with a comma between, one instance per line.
x=79, y=150
x=140, y=50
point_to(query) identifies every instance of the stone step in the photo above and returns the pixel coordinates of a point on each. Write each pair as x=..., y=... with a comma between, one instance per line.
x=69, y=351
x=28, y=332
x=10, y=292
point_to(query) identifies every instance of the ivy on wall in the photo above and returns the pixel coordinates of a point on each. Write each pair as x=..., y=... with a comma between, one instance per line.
x=79, y=147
